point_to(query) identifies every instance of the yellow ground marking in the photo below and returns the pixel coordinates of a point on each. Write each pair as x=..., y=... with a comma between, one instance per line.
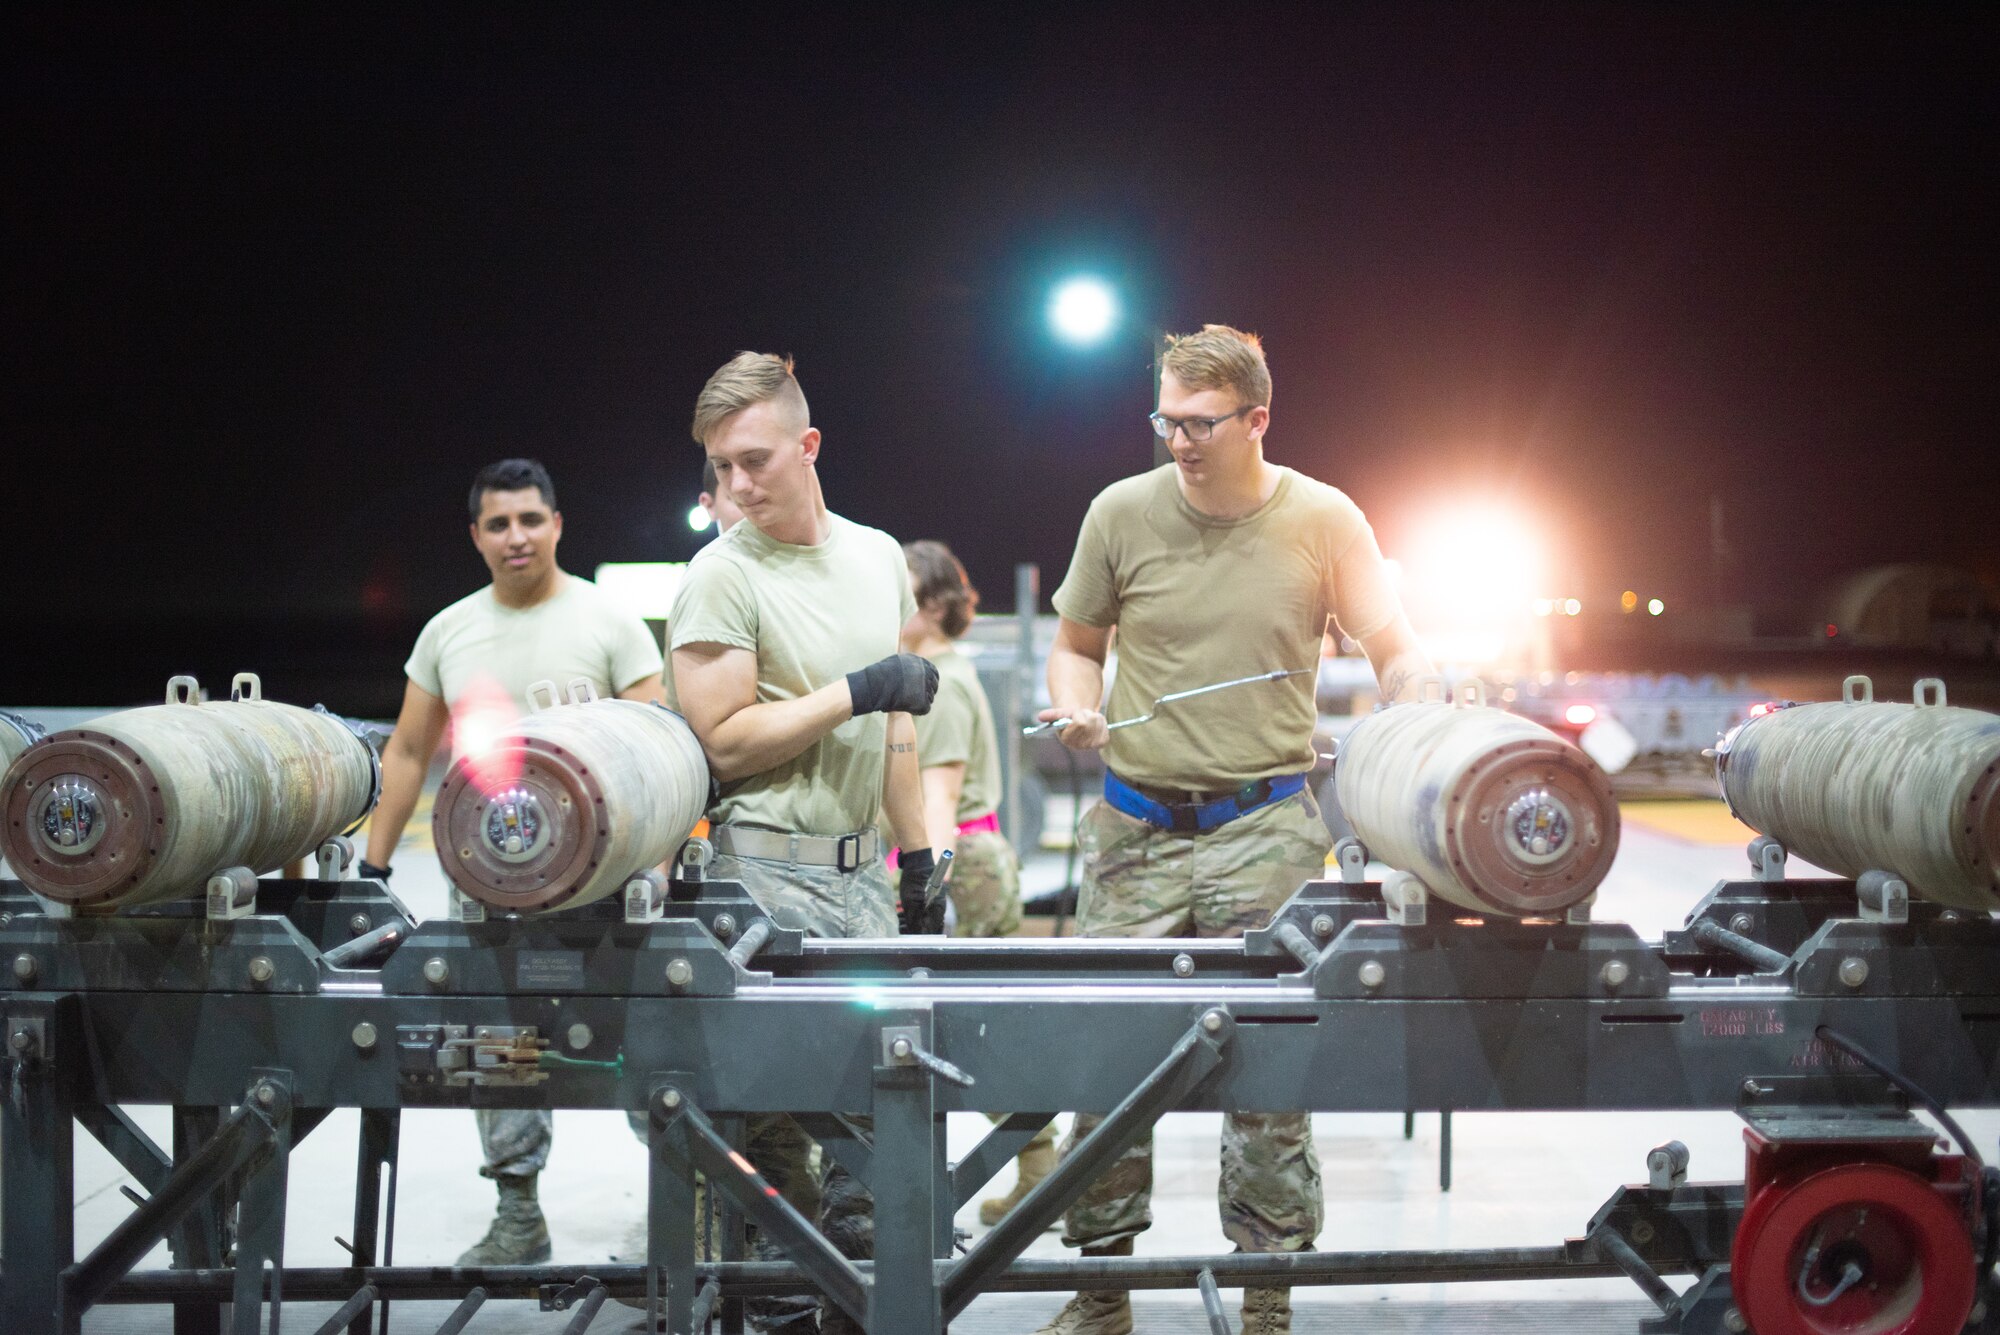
x=1699, y=821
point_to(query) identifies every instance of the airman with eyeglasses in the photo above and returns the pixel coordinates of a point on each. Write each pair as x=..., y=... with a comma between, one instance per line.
x=1218, y=565
x=1199, y=430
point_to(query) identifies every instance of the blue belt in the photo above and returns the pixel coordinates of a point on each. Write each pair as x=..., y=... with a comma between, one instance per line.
x=1195, y=817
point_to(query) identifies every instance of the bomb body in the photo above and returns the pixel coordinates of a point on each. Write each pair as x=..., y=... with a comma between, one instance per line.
x=1490, y=811
x=568, y=805
x=147, y=804
x=1858, y=785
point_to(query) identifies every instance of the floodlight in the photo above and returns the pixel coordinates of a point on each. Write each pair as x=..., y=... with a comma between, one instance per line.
x=1083, y=310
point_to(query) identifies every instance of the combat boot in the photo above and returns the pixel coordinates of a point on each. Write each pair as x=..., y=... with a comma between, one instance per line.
x=1096, y=1313
x=519, y=1235
x=1036, y=1162
x=1267, y=1311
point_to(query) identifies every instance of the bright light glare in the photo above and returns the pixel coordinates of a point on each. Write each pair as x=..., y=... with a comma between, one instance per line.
x=483, y=719
x=1571, y=607
x=1476, y=564
x=1083, y=310
x=1544, y=606
x=1629, y=601
x=1655, y=606
x=1463, y=646
x=698, y=519
x=1579, y=715
x=644, y=589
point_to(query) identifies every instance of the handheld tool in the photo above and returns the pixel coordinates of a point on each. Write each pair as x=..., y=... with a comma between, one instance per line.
x=934, y=885
x=1054, y=725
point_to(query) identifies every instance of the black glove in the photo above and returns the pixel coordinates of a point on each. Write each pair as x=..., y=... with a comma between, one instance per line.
x=368, y=871
x=917, y=918
x=900, y=683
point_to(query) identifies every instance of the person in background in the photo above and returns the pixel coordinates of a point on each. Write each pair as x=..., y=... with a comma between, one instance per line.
x=722, y=511
x=961, y=777
x=532, y=622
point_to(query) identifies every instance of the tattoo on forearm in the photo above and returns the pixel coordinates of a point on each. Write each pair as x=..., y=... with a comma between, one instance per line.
x=1392, y=688
x=902, y=746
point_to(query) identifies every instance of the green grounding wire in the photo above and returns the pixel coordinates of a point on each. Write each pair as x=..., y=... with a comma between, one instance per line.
x=616, y=1065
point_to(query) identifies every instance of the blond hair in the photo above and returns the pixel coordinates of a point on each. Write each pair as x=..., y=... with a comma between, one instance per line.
x=744, y=380
x=1220, y=357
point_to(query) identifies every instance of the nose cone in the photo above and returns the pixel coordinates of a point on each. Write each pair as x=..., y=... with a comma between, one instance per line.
x=83, y=818
x=523, y=844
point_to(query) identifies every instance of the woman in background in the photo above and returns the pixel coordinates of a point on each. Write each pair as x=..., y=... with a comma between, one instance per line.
x=960, y=755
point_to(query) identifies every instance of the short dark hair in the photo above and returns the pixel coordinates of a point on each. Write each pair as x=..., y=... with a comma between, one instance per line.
x=511, y=475
x=710, y=483
x=941, y=579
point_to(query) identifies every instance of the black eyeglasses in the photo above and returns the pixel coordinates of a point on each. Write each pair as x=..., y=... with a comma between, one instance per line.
x=1198, y=429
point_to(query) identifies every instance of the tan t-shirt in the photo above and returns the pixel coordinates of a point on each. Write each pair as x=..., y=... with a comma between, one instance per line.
x=811, y=615
x=959, y=731
x=1198, y=600
x=577, y=632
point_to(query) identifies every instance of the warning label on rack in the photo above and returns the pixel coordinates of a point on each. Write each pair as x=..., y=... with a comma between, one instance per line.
x=1742, y=1022
x=549, y=970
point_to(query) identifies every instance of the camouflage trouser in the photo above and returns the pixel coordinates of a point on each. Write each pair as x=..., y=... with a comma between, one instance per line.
x=823, y=902
x=985, y=885
x=516, y=1140
x=1140, y=880
x=819, y=900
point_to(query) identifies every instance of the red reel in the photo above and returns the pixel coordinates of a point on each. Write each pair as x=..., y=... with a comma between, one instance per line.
x=1855, y=1249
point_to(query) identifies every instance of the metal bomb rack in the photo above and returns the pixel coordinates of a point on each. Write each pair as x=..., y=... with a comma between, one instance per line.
x=688, y=1004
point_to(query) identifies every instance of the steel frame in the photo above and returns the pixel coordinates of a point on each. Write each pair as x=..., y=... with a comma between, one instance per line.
x=1466, y=1016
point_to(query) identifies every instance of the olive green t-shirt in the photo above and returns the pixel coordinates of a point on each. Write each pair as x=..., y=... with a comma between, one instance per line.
x=959, y=731
x=811, y=615
x=480, y=643
x=1198, y=600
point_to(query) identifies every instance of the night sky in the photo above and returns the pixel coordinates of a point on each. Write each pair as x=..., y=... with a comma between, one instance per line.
x=276, y=286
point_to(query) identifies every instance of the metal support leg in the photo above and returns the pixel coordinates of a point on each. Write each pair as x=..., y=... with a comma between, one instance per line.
x=353, y=1309
x=248, y=1132
x=944, y=1232
x=375, y=1158
x=704, y=1304
x=730, y=1221
x=127, y=1143
x=670, y=1221
x=198, y=1243
x=1409, y=1124
x=260, y=1215
x=462, y=1314
x=1211, y=1303
x=737, y=1179
x=903, y=1300
x=1444, y=1149
x=37, y=1179
x=1193, y=1057
x=1613, y=1245
x=586, y=1312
